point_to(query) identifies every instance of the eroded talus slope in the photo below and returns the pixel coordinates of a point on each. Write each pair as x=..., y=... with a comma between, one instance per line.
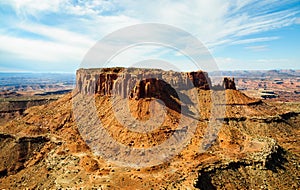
x=256, y=147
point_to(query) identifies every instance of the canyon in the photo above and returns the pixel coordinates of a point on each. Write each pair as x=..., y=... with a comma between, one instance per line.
x=256, y=147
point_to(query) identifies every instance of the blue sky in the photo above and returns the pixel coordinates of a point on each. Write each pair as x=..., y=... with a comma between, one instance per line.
x=54, y=35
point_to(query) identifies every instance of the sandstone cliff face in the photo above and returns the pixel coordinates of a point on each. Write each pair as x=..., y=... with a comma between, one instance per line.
x=138, y=83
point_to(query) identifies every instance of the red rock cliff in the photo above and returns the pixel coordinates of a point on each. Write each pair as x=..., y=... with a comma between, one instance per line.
x=138, y=83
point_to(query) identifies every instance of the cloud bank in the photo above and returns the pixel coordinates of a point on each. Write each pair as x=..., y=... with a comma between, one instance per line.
x=62, y=31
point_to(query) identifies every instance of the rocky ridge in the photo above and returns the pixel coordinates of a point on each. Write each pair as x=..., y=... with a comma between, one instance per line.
x=14, y=107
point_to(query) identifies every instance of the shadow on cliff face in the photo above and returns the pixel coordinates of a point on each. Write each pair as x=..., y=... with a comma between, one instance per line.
x=277, y=160
x=160, y=89
x=205, y=182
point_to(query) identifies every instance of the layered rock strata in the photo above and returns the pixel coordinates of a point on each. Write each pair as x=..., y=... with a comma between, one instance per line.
x=138, y=83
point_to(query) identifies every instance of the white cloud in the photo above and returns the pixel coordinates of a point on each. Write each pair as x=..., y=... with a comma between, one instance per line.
x=59, y=35
x=272, y=60
x=31, y=7
x=215, y=23
x=212, y=21
x=89, y=7
x=224, y=60
x=297, y=20
x=228, y=63
x=41, y=50
x=254, y=40
x=257, y=48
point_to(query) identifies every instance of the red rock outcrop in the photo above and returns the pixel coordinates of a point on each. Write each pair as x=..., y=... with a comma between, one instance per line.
x=138, y=83
x=228, y=83
x=200, y=79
